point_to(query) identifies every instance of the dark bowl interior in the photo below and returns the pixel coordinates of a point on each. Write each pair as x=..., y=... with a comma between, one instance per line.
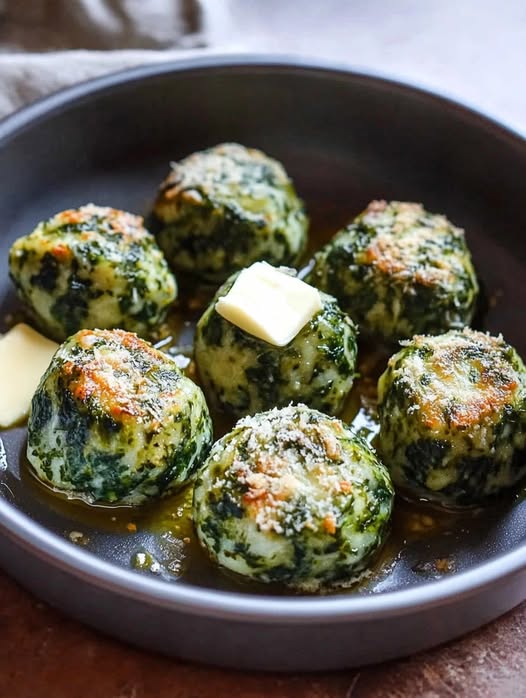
x=345, y=139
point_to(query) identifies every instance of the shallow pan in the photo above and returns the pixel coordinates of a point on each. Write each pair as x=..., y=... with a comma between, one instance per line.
x=345, y=138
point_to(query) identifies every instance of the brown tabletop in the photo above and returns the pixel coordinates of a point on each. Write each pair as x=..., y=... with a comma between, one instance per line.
x=43, y=653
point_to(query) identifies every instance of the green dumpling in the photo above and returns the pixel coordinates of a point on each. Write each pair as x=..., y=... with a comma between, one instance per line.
x=293, y=496
x=453, y=417
x=398, y=270
x=221, y=209
x=92, y=267
x=114, y=420
x=242, y=374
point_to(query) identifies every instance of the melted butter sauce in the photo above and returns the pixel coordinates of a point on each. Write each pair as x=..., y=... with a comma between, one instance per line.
x=176, y=552
x=166, y=543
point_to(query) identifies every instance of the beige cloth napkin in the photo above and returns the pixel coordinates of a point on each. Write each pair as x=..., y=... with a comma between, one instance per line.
x=48, y=44
x=25, y=77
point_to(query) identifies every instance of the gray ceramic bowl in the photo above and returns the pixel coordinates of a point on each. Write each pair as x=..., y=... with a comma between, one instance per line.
x=345, y=138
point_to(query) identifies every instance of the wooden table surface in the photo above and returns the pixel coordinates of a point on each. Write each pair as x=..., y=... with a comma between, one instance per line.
x=43, y=653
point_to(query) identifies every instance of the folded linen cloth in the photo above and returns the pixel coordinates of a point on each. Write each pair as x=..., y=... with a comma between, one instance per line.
x=48, y=44
x=25, y=77
x=55, y=25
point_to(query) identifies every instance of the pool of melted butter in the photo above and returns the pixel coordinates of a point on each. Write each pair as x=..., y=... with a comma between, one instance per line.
x=166, y=543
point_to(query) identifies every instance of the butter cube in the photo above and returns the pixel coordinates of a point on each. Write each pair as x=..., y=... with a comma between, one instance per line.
x=24, y=356
x=269, y=304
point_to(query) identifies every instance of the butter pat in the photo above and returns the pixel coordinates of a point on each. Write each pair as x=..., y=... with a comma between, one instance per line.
x=269, y=304
x=24, y=356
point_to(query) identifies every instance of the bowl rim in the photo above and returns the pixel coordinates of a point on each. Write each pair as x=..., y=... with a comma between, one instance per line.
x=40, y=542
